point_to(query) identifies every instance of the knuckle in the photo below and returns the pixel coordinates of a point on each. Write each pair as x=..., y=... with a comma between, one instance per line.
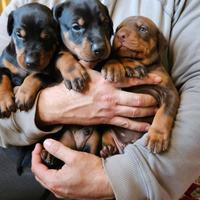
x=73, y=159
x=141, y=127
x=135, y=112
x=139, y=100
x=109, y=99
x=126, y=124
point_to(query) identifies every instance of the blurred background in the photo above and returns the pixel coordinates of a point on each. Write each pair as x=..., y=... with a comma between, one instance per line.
x=3, y=4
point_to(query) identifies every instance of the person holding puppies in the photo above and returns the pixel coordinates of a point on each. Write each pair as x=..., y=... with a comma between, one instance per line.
x=136, y=174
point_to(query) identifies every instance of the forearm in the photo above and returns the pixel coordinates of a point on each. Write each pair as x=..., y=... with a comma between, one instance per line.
x=21, y=129
x=165, y=176
x=168, y=175
x=101, y=103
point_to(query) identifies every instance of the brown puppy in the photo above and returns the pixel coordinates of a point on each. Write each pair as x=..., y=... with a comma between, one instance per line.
x=138, y=48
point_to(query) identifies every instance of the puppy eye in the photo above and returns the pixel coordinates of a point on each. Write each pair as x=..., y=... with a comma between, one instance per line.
x=45, y=36
x=19, y=35
x=76, y=27
x=143, y=29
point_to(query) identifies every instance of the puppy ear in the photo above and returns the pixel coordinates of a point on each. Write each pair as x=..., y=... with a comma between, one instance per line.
x=10, y=23
x=57, y=11
x=162, y=44
x=110, y=21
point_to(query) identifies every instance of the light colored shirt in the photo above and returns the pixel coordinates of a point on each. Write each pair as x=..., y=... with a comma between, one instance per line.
x=138, y=174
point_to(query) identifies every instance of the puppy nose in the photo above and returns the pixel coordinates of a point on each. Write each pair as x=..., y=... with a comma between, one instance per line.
x=98, y=49
x=32, y=60
x=122, y=35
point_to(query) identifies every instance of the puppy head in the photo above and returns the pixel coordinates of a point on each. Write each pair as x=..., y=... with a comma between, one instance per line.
x=86, y=29
x=33, y=32
x=139, y=38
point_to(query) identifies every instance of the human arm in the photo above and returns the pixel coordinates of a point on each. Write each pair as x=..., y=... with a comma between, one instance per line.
x=101, y=103
x=167, y=176
x=73, y=181
x=138, y=174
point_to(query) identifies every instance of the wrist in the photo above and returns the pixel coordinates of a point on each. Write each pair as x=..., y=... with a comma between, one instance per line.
x=46, y=113
x=107, y=188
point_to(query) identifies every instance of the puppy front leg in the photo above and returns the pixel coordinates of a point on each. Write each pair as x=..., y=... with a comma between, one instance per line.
x=26, y=93
x=109, y=146
x=72, y=72
x=7, y=103
x=116, y=70
x=113, y=70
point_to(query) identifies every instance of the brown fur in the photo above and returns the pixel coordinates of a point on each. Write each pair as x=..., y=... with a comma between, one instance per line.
x=6, y=97
x=137, y=49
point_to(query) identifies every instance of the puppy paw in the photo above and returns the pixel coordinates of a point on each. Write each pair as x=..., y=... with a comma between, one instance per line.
x=108, y=150
x=138, y=71
x=7, y=105
x=50, y=161
x=24, y=99
x=157, y=141
x=75, y=77
x=114, y=71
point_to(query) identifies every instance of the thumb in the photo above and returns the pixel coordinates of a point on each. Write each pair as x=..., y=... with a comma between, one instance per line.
x=60, y=151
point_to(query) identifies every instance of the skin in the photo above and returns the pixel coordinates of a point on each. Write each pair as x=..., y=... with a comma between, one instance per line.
x=75, y=180
x=101, y=103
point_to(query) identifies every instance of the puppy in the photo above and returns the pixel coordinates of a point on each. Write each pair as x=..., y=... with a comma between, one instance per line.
x=137, y=49
x=86, y=29
x=25, y=62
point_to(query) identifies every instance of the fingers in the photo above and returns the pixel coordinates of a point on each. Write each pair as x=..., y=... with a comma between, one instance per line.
x=134, y=99
x=134, y=112
x=40, y=170
x=150, y=79
x=60, y=151
x=130, y=124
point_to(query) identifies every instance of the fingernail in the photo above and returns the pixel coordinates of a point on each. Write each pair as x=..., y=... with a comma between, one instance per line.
x=47, y=143
x=157, y=79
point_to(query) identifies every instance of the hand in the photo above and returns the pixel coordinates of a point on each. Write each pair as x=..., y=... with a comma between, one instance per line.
x=101, y=103
x=75, y=180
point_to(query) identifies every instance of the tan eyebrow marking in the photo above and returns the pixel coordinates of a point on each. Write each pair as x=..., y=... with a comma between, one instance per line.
x=22, y=32
x=81, y=21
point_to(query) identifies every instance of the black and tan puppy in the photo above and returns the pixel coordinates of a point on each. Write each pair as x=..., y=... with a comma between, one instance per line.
x=25, y=61
x=138, y=47
x=86, y=29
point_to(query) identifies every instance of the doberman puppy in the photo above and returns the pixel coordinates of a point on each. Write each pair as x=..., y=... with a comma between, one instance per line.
x=86, y=29
x=25, y=62
x=137, y=49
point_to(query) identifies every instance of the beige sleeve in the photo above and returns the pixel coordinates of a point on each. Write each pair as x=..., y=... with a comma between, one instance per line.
x=138, y=174
x=20, y=129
